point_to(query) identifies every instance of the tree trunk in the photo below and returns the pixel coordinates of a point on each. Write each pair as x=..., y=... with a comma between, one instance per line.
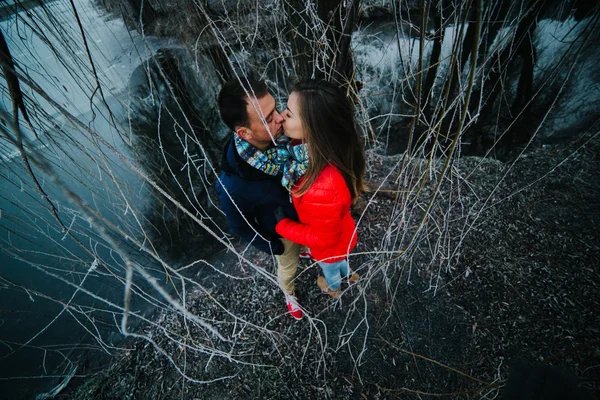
x=300, y=37
x=339, y=18
x=143, y=12
x=419, y=81
x=344, y=66
x=504, y=60
x=527, y=53
x=220, y=62
x=465, y=50
x=492, y=28
x=12, y=82
x=434, y=59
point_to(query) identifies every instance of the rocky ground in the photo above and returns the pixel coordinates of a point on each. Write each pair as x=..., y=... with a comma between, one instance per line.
x=499, y=286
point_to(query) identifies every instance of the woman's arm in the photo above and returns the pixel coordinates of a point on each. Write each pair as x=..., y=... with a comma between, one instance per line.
x=322, y=207
x=318, y=235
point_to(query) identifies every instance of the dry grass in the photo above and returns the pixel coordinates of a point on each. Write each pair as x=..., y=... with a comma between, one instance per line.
x=523, y=286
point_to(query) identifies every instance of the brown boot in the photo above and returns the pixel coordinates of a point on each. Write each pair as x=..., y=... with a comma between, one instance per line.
x=322, y=284
x=352, y=278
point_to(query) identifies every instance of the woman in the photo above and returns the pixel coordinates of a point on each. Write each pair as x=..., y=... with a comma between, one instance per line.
x=325, y=178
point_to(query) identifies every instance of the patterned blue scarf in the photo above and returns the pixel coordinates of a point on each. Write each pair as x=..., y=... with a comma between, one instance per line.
x=265, y=161
x=289, y=160
x=295, y=165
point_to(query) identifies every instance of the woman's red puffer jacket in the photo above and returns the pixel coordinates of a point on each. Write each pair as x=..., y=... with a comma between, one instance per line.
x=326, y=225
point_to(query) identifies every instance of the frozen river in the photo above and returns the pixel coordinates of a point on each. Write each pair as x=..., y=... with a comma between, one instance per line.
x=57, y=286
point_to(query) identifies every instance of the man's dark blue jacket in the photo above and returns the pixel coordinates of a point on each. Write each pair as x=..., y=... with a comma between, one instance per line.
x=256, y=195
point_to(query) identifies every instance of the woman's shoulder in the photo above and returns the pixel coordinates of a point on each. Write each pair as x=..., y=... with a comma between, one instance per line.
x=329, y=184
x=330, y=174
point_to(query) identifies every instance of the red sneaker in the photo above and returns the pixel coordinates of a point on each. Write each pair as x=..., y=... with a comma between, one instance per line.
x=293, y=306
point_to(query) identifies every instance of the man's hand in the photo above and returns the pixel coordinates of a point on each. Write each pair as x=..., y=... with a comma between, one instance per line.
x=279, y=214
x=278, y=247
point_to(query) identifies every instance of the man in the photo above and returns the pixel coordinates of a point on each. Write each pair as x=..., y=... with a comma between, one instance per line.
x=249, y=189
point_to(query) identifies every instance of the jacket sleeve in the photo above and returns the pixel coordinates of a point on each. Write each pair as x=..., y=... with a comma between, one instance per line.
x=307, y=235
x=323, y=205
x=324, y=234
x=243, y=225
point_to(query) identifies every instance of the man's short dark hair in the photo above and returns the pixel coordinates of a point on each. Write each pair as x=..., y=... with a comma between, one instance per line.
x=232, y=100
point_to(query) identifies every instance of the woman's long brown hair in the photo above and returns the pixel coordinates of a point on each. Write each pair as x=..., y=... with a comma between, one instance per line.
x=327, y=117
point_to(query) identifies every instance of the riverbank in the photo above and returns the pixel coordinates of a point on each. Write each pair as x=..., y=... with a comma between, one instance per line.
x=524, y=287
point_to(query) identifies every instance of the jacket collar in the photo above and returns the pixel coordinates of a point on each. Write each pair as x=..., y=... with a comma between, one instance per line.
x=232, y=163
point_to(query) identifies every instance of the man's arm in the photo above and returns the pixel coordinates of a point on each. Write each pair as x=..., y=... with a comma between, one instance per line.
x=241, y=223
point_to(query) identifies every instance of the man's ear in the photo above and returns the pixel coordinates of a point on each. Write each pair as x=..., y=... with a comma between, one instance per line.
x=243, y=132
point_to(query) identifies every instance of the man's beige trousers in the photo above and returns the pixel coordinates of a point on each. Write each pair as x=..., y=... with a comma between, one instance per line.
x=287, y=264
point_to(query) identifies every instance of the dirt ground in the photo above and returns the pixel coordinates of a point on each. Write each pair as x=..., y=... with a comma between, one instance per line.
x=517, y=295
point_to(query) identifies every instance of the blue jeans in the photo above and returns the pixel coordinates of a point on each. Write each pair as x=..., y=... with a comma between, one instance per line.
x=334, y=272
